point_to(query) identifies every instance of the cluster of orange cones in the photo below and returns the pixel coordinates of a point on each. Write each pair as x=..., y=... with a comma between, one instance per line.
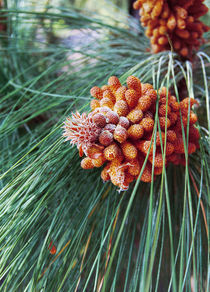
x=175, y=21
x=119, y=132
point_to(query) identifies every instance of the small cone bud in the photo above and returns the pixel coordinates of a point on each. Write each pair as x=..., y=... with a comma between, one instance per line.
x=111, y=152
x=158, y=160
x=164, y=121
x=131, y=97
x=147, y=124
x=129, y=150
x=134, y=83
x=134, y=168
x=135, y=116
x=108, y=94
x=120, y=134
x=135, y=132
x=144, y=103
x=114, y=83
x=87, y=163
x=120, y=93
x=171, y=136
x=99, y=120
x=121, y=108
x=96, y=92
x=124, y=122
x=112, y=117
x=169, y=148
x=106, y=138
x=110, y=128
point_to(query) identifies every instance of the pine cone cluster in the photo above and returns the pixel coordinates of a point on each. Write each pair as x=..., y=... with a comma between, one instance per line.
x=119, y=130
x=177, y=20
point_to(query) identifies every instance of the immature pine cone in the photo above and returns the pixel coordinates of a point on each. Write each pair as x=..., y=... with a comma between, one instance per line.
x=177, y=20
x=120, y=133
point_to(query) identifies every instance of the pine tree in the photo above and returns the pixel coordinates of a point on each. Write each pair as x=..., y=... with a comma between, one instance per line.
x=61, y=227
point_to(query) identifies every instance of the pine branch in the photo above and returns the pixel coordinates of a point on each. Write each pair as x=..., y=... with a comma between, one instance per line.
x=152, y=237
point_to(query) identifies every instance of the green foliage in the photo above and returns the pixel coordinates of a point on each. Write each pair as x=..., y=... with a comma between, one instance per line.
x=152, y=237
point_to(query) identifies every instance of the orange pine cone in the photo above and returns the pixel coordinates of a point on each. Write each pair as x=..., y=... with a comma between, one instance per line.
x=129, y=150
x=135, y=115
x=94, y=151
x=163, y=109
x=108, y=94
x=145, y=88
x=120, y=93
x=100, y=120
x=114, y=83
x=128, y=179
x=121, y=108
x=174, y=105
x=105, y=87
x=144, y=103
x=169, y=148
x=171, y=136
x=147, y=124
x=134, y=167
x=124, y=122
x=144, y=147
x=194, y=134
x=147, y=174
x=120, y=134
x=173, y=118
x=112, y=117
x=111, y=152
x=160, y=137
x=191, y=148
x=158, y=160
x=87, y=163
x=96, y=92
x=164, y=122
x=105, y=138
x=131, y=97
x=135, y=132
x=158, y=170
x=193, y=118
x=134, y=83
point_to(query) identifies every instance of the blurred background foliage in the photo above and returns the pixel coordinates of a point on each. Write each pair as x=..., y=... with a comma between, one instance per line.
x=154, y=237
